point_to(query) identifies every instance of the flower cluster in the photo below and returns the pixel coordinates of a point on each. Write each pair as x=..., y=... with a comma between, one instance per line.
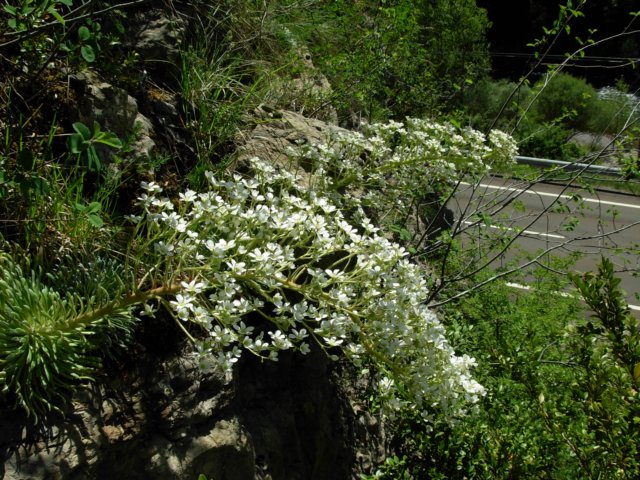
x=264, y=266
x=394, y=168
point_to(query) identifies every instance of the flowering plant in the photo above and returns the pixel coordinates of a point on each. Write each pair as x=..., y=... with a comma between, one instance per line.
x=262, y=264
x=400, y=173
x=267, y=247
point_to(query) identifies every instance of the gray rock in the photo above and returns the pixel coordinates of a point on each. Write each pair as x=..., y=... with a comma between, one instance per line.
x=295, y=419
x=143, y=130
x=112, y=107
x=223, y=453
x=114, y=110
x=156, y=36
x=277, y=132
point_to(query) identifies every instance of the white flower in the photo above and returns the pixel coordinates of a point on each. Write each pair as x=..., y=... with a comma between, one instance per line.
x=266, y=244
x=280, y=341
x=242, y=329
x=151, y=187
x=220, y=247
x=162, y=203
x=298, y=335
x=164, y=249
x=259, y=256
x=193, y=287
x=148, y=311
x=189, y=196
x=238, y=268
x=183, y=304
x=333, y=341
x=146, y=200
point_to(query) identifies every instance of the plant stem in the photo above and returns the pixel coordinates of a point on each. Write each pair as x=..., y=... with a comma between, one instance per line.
x=124, y=303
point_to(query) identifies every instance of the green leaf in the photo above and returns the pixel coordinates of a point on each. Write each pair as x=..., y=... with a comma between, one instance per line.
x=87, y=53
x=12, y=23
x=83, y=130
x=95, y=220
x=93, y=160
x=110, y=139
x=76, y=144
x=12, y=10
x=39, y=185
x=56, y=15
x=94, y=207
x=84, y=33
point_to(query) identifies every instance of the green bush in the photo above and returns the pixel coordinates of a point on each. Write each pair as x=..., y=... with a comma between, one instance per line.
x=614, y=111
x=393, y=59
x=546, y=141
x=52, y=341
x=562, y=98
x=562, y=391
x=489, y=101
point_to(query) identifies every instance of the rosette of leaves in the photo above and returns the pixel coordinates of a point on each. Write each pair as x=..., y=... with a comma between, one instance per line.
x=83, y=143
x=49, y=341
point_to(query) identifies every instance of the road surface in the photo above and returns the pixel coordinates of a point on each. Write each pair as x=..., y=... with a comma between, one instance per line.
x=558, y=220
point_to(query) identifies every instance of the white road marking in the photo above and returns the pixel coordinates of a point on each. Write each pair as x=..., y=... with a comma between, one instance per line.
x=529, y=232
x=562, y=294
x=546, y=194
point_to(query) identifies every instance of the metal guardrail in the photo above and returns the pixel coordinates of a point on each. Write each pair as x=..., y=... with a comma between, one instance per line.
x=571, y=166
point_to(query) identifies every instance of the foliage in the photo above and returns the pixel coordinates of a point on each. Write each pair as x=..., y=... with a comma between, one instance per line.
x=615, y=113
x=544, y=117
x=49, y=340
x=547, y=140
x=213, y=85
x=29, y=13
x=562, y=97
x=488, y=102
x=83, y=142
x=88, y=43
x=55, y=210
x=562, y=400
x=300, y=254
x=382, y=59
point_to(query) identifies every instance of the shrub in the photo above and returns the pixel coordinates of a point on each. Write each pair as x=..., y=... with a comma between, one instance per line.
x=487, y=101
x=50, y=341
x=566, y=99
x=547, y=141
x=562, y=391
x=614, y=112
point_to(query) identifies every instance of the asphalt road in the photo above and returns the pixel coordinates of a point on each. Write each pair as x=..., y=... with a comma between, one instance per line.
x=557, y=220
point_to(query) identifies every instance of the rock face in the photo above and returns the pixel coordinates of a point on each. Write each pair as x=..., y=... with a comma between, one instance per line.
x=278, y=131
x=295, y=419
x=156, y=35
x=307, y=90
x=114, y=110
